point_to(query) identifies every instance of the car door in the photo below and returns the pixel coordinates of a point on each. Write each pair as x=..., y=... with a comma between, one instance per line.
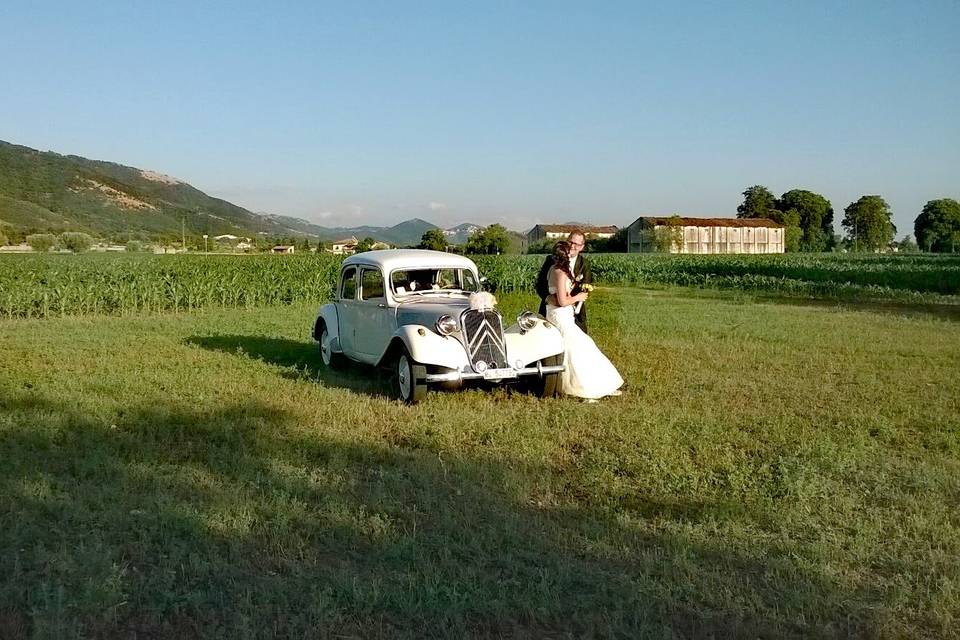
x=347, y=311
x=375, y=322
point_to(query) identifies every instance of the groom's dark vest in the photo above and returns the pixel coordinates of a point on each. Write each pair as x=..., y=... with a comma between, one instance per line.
x=581, y=270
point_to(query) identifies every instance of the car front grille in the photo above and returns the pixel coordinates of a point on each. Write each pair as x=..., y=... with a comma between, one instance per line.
x=483, y=335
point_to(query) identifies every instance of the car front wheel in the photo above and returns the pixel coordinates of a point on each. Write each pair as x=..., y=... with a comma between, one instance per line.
x=548, y=385
x=409, y=377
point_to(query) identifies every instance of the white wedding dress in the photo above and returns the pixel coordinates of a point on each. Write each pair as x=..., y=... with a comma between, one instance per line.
x=589, y=374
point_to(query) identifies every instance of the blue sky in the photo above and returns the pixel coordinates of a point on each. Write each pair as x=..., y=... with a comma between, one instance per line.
x=517, y=112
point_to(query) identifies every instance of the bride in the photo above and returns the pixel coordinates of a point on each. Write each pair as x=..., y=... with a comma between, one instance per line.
x=589, y=374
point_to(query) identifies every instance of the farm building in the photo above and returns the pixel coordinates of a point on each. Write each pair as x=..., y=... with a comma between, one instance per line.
x=704, y=235
x=284, y=248
x=561, y=231
x=345, y=246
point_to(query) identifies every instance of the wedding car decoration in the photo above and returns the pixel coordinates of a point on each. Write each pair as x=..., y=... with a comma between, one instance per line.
x=423, y=315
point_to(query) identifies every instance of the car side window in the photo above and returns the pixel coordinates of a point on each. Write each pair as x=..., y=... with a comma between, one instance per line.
x=371, y=285
x=348, y=286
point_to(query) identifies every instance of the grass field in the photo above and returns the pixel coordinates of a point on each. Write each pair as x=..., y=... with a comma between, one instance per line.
x=774, y=469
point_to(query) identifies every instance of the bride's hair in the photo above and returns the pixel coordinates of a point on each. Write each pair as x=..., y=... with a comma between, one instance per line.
x=561, y=258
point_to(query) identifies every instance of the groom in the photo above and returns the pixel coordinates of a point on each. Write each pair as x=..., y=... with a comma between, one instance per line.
x=581, y=273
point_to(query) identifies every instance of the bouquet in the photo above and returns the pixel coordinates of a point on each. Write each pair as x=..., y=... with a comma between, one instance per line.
x=582, y=286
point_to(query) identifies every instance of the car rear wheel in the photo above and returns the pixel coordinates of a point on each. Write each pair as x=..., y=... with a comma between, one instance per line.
x=409, y=378
x=330, y=358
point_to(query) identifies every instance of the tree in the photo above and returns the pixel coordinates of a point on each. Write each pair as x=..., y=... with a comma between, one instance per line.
x=493, y=239
x=498, y=238
x=477, y=242
x=14, y=235
x=3, y=238
x=617, y=243
x=75, y=241
x=365, y=245
x=42, y=242
x=758, y=202
x=907, y=245
x=937, y=228
x=542, y=246
x=320, y=246
x=304, y=246
x=792, y=233
x=669, y=237
x=434, y=239
x=868, y=224
x=814, y=216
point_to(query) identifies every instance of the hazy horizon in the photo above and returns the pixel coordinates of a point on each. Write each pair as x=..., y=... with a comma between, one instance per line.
x=544, y=112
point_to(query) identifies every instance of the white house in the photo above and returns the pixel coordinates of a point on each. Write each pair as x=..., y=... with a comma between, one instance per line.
x=705, y=235
x=561, y=231
x=345, y=246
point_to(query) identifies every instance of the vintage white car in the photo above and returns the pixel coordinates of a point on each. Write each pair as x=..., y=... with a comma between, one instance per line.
x=423, y=315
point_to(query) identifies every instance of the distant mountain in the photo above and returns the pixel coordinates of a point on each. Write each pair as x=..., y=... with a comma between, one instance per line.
x=298, y=226
x=461, y=233
x=408, y=232
x=43, y=191
x=404, y=234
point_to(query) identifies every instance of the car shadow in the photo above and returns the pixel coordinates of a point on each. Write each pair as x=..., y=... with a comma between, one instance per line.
x=299, y=360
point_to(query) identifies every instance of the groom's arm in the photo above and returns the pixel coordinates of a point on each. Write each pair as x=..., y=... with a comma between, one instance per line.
x=587, y=276
x=543, y=287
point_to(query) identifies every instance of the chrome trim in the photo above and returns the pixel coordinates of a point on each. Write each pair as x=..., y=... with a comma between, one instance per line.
x=534, y=317
x=456, y=326
x=454, y=376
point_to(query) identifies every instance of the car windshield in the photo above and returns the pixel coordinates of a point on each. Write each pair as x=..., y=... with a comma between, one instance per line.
x=417, y=281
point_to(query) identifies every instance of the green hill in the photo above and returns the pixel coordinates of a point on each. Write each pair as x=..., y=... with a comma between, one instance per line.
x=43, y=191
x=406, y=233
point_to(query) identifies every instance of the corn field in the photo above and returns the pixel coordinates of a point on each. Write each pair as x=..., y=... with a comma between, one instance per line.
x=918, y=277
x=40, y=286
x=59, y=285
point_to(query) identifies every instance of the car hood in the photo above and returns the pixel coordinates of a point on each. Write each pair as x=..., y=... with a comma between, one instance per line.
x=427, y=312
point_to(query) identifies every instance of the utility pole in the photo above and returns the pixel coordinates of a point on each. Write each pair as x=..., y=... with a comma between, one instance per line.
x=183, y=234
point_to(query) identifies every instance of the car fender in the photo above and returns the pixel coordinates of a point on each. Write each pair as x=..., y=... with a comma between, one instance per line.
x=527, y=347
x=328, y=313
x=427, y=347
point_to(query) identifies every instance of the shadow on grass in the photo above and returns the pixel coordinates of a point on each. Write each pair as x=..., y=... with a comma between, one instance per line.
x=232, y=522
x=298, y=360
x=906, y=309
x=894, y=307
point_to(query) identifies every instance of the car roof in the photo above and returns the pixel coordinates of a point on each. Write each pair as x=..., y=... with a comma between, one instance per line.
x=391, y=259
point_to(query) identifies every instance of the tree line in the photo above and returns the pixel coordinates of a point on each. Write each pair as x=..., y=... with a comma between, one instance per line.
x=808, y=219
x=491, y=240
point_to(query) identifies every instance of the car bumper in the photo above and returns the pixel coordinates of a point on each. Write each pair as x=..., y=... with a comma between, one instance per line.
x=495, y=374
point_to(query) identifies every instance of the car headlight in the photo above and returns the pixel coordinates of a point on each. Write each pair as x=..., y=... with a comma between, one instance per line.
x=528, y=320
x=446, y=325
